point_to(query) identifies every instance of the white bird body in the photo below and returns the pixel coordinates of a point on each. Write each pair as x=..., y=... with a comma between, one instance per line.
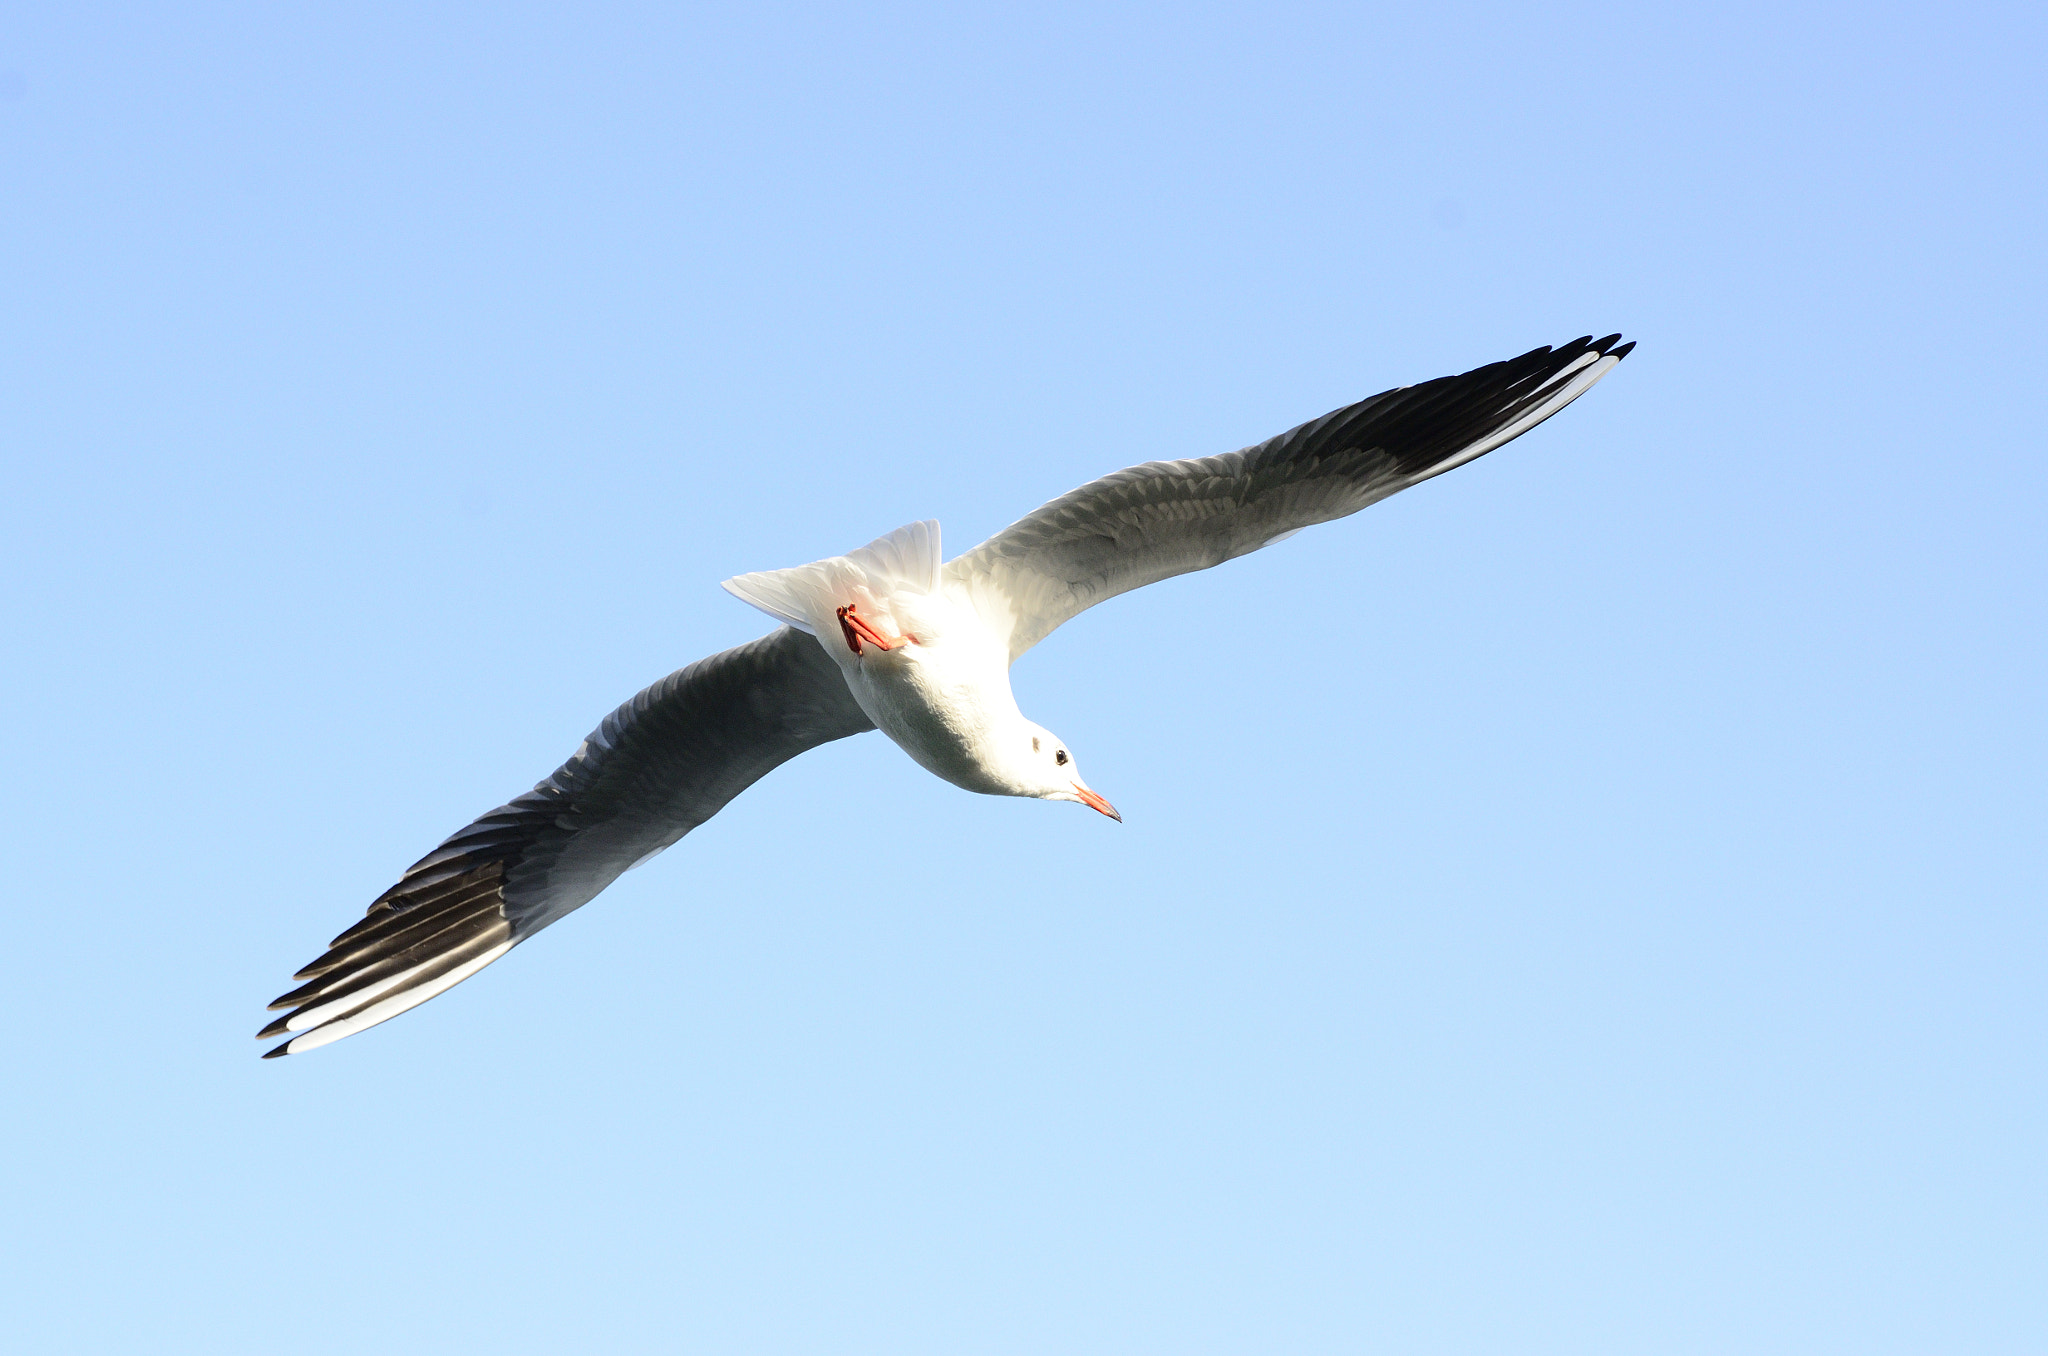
x=891, y=637
x=944, y=697
x=941, y=688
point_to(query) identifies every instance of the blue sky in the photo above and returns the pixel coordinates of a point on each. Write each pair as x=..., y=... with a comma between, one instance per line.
x=1591, y=903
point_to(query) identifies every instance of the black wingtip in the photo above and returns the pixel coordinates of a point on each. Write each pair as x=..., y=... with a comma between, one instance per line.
x=378, y=912
x=276, y=1051
x=276, y=1028
x=1623, y=351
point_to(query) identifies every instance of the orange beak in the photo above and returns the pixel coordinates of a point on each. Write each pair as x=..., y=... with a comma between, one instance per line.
x=1095, y=802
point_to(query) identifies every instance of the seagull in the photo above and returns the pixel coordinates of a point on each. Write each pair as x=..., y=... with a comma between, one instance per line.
x=896, y=638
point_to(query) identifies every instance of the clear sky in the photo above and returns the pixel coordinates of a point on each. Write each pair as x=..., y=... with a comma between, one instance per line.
x=1590, y=904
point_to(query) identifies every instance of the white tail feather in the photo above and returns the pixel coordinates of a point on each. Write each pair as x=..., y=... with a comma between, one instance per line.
x=808, y=596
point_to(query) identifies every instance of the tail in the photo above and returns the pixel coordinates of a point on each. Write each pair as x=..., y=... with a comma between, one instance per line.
x=809, y=596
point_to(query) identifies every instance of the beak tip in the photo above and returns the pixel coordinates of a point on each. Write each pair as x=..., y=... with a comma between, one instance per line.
x=1097, y=803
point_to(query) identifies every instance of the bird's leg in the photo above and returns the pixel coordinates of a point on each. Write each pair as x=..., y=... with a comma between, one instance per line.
x=856, y=629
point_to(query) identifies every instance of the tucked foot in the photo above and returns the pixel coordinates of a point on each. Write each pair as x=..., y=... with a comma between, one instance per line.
x=856, y=629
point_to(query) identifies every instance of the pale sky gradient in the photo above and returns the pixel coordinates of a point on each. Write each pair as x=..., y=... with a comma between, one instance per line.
x=1590, y=904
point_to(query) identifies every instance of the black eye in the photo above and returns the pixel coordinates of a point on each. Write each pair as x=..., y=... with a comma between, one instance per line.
x=1060, y=758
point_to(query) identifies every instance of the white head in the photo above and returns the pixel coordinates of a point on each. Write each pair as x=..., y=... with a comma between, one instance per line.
x=1041, y=766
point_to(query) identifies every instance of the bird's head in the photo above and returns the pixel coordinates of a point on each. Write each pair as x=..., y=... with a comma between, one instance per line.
x=1043, y=768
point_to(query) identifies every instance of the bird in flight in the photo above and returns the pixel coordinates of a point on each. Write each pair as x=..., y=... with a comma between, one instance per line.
x=893, y=637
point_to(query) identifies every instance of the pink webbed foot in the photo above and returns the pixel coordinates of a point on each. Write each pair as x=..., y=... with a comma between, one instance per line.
x=856, y=629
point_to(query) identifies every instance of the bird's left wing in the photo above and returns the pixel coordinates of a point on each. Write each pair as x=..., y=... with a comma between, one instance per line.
x=1164, y=518
x=656, y=768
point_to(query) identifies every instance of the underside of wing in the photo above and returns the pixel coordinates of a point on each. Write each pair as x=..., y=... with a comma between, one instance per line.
x=656, y=768
x=1164, y=518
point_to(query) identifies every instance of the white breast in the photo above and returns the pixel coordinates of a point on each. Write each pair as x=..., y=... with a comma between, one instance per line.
x=944, y=698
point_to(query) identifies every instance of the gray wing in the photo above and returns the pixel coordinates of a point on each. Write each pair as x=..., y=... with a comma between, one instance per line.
x=656, y=768
x=1164, y=518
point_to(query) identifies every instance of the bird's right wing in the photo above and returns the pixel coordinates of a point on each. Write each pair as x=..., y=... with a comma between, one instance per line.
x=1151, y=522
x=656, y=768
